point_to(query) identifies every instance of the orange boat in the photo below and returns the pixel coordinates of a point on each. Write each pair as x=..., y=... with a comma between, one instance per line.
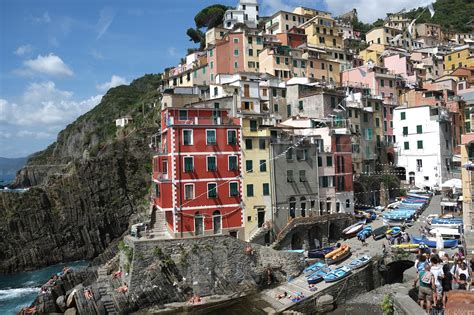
x=338, y=254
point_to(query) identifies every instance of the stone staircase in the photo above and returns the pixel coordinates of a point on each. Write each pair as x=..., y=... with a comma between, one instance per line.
x=160, y=230
x=104, y=287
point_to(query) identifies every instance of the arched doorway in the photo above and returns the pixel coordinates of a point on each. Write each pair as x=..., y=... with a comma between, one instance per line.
x=333, y=233
x=198, y=224
x=303, y=206
x=216, y=222
x=390, y=158
x=296, y=241
x=292, y=207
x=315, y=236
x=411, y=177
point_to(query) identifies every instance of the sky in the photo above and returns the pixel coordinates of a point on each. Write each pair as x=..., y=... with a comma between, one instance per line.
x=59, y=57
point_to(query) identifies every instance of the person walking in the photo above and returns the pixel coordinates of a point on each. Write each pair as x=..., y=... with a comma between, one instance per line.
x=425, y=290
x=438, y=275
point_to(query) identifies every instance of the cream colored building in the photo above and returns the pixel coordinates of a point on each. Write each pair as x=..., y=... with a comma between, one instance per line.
x=322, y=31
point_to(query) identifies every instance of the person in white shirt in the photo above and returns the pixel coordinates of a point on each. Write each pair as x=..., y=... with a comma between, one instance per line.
x=438, y=274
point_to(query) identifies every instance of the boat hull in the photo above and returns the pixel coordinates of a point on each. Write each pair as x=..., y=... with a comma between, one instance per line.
x=432, y=243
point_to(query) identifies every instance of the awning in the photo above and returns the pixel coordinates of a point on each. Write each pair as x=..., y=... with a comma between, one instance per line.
x=452, y=183
x=448, y=204
x=457, y=158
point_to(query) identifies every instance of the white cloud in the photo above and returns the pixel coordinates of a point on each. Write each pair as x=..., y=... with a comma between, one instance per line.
x=371, y=10
x=5, y=135
x=172, y=51
x=43, y=105
x=23, y=49
x=272, y=6
x=50, y=64
x=35, y=134
x=96, y=54
x=41, y=19
x=105, y=19
x=114, y=81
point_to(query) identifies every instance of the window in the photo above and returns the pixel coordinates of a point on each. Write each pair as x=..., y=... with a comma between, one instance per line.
x=248, y=144
x=250, y=190
x=289, y=154
x=188, y=164
x=390, y=83
x=157, y=190
x=405, y=131
x=330, y=66
x=300, y=105
x=382, y=82
x=320, y=161
x=377, y=106
x=210, y=137
x=249, y=39
x=259, y=41
x=253, y=125
x=236, y=40
x=188, y=191
x=183, y=114
x=348, y=203
x=328, y=161
x=366, y=117
x=211, y=190
x=231, y=136
x=406, y=145
x=289, y=176
x=402, y=116
x=236, y=64
x=302, y=176
x=211, y=164
x=419, y=144
x=263, y=165
x=333, y=102
x=249, y=166
x=288, y=110
x=301, y=154
x=262, y=144
x=419, y=129
x=187, y=137
x=250, y=52
x=232, y=163
x=233, y=189
x=295, y=63
x=266, y=189
x=212, y=64
x=322, y=66
x=377, y=122
x=275, y=108
x=277, y=60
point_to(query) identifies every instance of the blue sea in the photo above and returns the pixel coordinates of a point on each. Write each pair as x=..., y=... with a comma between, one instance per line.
x=20, y=289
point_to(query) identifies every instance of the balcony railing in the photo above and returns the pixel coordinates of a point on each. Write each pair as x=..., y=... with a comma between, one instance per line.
x=172, y=121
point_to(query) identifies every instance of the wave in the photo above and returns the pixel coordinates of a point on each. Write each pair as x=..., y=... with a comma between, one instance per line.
x=16, y=293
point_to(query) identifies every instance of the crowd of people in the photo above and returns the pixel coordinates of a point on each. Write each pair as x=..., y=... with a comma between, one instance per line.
x=438, y=273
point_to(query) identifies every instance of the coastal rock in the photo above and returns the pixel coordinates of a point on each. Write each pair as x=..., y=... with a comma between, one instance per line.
x=70, y=299
x=61, y=303
x=325, y=303
x=71, y=311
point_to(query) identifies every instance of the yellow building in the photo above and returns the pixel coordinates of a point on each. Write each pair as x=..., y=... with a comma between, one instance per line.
x=389, y=36
x=256, y=178
x=322, y=31
x=467, y=177
x=311, y=12
x=461, y=57
x=373, y=52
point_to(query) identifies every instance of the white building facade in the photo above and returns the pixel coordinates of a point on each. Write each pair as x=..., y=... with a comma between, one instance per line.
x=246, y=12
x=423, y=144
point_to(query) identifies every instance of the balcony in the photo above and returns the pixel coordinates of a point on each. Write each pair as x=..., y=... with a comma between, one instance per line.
x=200, y=121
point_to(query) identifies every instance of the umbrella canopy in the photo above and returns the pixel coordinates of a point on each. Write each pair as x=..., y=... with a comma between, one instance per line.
x=456, y=183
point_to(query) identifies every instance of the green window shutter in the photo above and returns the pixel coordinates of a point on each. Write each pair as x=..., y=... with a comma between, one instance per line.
x=419, y=129
x=263, y=165
x=329, y=161
x=234, y=189
x=266, y=189
x=188, y=164
x=231, y=137
x=249, y=166
x=250, y=190
x=212, y=190
x=419, y=144
x=211, y=136
x=232, y=163
x=406, y=145
x=405, y=131
x=211, y=163
x=403, y=116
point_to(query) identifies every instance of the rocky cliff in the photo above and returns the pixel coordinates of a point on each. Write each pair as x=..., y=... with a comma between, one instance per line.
x=85, y=187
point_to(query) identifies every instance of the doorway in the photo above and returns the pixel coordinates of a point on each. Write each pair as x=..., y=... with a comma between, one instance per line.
x=260, y=217
x=198, y=224
x=217, y=222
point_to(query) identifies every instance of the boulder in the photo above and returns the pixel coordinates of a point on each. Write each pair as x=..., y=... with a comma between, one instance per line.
x=71, y=311
x=325, y=303
x=61, y=303
x=70, y=299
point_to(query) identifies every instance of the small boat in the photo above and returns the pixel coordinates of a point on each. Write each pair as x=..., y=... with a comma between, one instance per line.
x=394, y=231
x=353, y=229
x=431, y=241
x=379, y=233
x=314, y=267
x=366, y=232
x=446, y=233
x=360, y=215
x=318, y=275
x=299, y=251
x=337, y=274
x=359, y=262
x=320, y=252
x=338, y=254
x=447, y=221
x=407, y=247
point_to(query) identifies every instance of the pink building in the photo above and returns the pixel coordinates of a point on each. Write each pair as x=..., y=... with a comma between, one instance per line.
x=227, y=55
x=402, y=65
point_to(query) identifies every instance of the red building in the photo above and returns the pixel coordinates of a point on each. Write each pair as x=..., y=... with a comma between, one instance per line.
x=197, y=171
x=293, y=38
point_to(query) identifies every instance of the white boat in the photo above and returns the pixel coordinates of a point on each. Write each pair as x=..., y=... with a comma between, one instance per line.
x=353, y=229
x=446, y=233
x=445, y=225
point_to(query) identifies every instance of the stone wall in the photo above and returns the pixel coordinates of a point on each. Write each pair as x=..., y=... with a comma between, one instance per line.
x=165, y=271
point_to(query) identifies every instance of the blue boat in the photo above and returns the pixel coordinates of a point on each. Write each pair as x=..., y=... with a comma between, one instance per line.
x=431, y=241
x=318, y=275
x=314, y=267
x=320, y=252
x=394, y=231
x=337, y=274
x=366, y=232
x=359, y=262
x=447, y=221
